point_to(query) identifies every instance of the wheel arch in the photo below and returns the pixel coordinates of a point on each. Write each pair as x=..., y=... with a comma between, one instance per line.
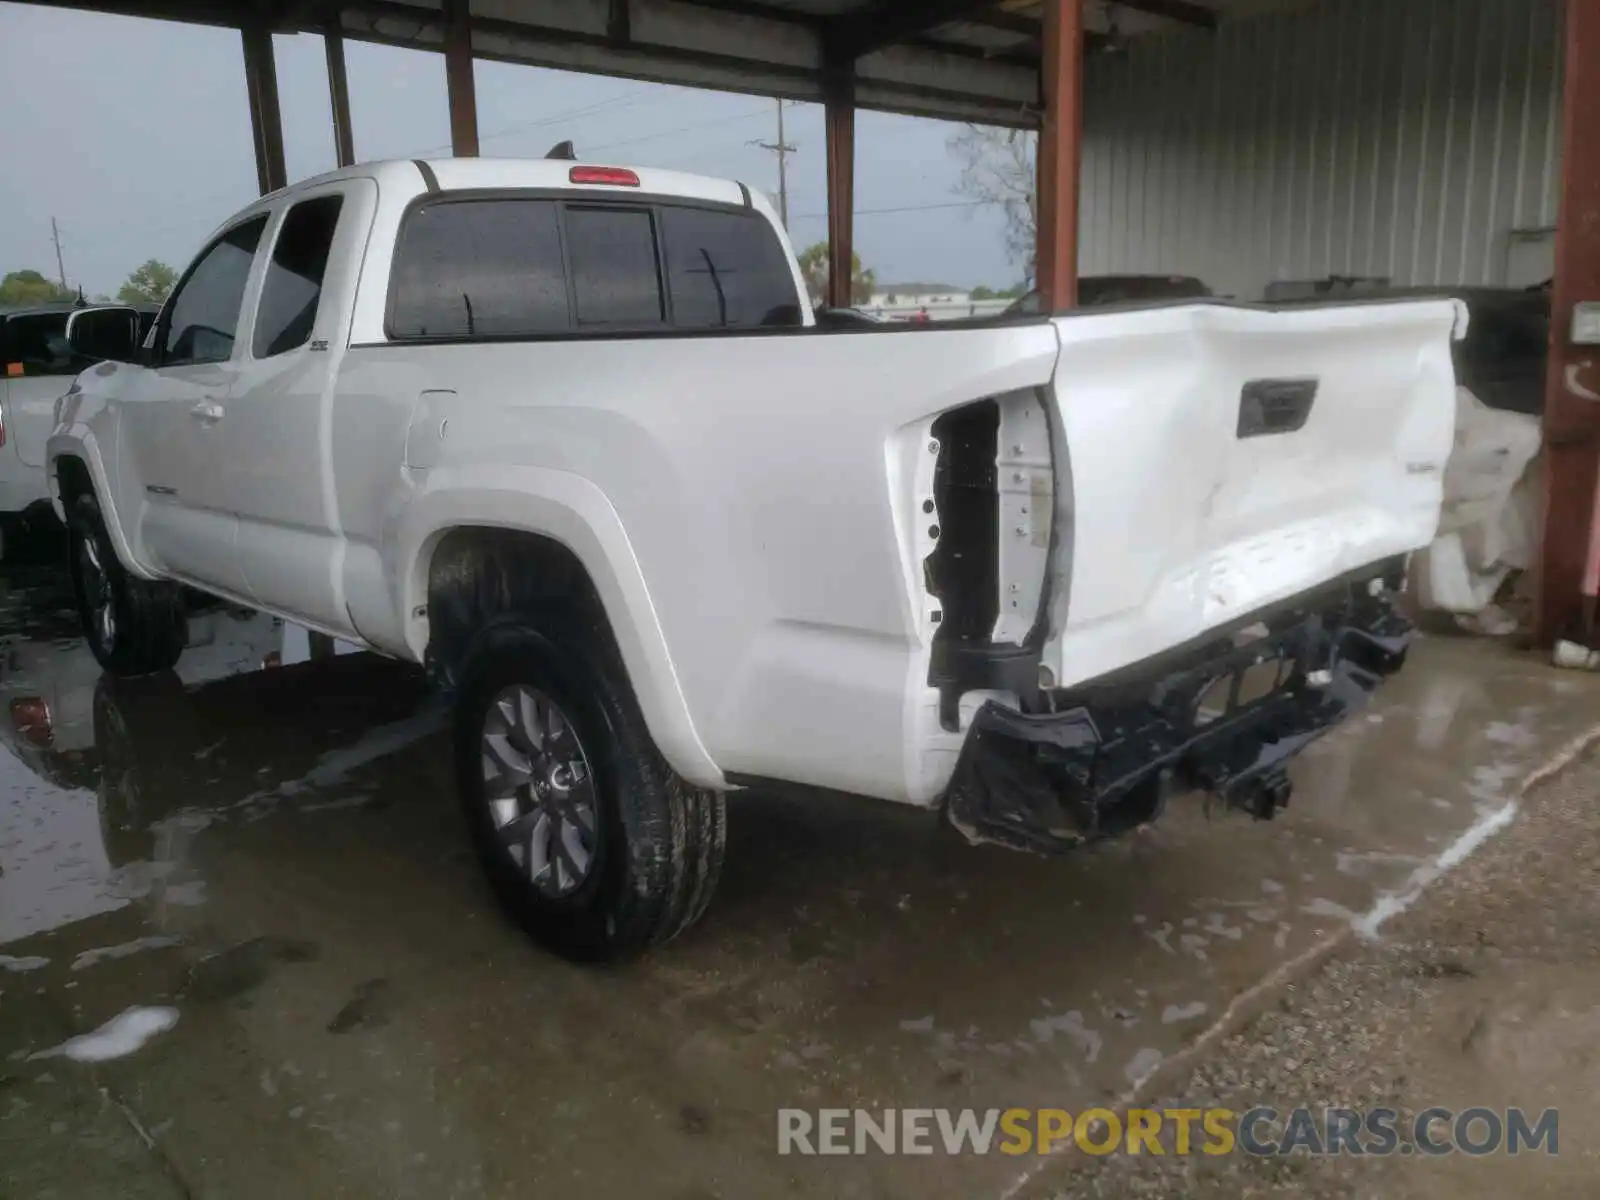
x=75, y=469
x=479, y=555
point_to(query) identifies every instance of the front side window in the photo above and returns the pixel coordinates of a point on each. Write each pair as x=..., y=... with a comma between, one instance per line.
x=293, y=286
x=203, y=316
x=727, y=270
x=479, y=268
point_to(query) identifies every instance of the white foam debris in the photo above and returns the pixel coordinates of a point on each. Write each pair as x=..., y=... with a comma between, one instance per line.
x=1071, y=1024
x=1173, y=1013
x=1142, y=1065
x=185, y=895
x=1509, y=733
x=124, y=1034
x=1321, y=906
x=31, y=963
x=122, y=950
x=1162, y=936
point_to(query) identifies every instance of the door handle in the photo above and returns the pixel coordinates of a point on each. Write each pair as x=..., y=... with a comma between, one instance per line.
x=207, y=410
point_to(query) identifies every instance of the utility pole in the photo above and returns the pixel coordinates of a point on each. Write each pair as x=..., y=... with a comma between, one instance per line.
x=61, y=271
x=782, y=149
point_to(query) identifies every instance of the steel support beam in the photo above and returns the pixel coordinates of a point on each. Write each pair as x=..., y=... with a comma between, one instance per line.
x=1184, y=11
x=619, y=22
x=344, y=138
x=266, y=118
x=1567, y=552
x=893, y=21
x=840, y=112
x=1060, y=155
x=458, y=79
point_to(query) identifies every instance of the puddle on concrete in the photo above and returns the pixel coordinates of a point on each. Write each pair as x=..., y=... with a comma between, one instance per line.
x=275, y=857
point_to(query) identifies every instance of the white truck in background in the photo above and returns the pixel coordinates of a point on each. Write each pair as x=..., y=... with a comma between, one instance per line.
x=572, y=436
x=37, y=364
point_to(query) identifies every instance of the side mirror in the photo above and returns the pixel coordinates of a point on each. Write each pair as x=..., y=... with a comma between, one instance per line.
x=99, y=334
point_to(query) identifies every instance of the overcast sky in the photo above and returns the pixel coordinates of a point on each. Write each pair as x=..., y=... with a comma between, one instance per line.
x=135, y=136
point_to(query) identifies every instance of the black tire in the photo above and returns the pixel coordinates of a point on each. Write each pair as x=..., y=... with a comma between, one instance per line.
x=149, y=625
x=659, y=841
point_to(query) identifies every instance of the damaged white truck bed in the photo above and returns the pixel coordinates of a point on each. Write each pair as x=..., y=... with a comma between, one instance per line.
x=573, y=437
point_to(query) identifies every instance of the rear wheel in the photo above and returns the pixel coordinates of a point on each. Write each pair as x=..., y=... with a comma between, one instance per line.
x=590, y=840
x=133, y=626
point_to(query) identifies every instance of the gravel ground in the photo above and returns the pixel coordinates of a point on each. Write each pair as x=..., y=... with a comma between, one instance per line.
x=1486, y=992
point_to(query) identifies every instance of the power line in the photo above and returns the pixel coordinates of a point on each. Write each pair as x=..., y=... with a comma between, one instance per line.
x=611, y=104
x=873, y=212
x=650, y=137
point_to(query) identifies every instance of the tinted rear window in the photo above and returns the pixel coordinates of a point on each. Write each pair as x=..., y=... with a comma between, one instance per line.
x=614, y=271
x=727, y=271
x=512, y=267
x=480, y=268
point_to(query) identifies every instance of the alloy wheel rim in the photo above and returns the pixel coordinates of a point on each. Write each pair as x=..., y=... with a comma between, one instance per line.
x=539, y=790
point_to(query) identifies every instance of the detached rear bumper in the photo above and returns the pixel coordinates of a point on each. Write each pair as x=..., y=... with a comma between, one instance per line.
x=1224, y=717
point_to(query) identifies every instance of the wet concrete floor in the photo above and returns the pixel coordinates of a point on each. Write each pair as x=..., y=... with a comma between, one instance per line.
x=275, y=857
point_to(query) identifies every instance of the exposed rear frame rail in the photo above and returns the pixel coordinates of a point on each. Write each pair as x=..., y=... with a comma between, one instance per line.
x=1104, y=758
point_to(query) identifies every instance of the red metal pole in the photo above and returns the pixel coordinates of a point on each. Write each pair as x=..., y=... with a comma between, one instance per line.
x=841, y=126
x=1060, y=155
x=458, y=79
x=344, y=139
x=261, y=88
x=1572, y=388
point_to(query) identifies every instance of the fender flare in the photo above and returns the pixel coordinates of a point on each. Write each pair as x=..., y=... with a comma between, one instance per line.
x=79, y=441
x=571, y=510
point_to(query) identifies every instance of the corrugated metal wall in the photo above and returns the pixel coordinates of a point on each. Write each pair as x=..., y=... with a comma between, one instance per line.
x=1403, y=138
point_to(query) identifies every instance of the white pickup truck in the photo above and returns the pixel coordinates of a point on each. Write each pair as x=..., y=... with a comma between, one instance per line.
x=37, y=364
x=572, y=436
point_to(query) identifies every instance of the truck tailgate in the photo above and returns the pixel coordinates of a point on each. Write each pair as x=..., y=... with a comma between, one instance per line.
x=1223, y=459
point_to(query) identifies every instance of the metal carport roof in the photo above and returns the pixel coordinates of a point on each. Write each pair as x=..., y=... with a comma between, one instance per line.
x=953, y=59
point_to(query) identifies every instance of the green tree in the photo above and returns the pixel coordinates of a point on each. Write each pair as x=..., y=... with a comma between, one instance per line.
x=998, y=170
x=814, y=266
x=982, y=292
x=149, y=284
x=30, y=287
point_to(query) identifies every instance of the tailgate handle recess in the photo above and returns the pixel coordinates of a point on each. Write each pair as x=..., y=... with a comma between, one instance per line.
x=1268, y=406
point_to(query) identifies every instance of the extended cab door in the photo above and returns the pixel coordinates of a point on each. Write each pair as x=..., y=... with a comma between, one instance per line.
x=274, y=442
x=175, y=411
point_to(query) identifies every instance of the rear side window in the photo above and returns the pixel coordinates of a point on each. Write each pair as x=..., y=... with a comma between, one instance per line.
x=293, y=287
x=480, y=268
x=727, y=271
x=615, y=275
